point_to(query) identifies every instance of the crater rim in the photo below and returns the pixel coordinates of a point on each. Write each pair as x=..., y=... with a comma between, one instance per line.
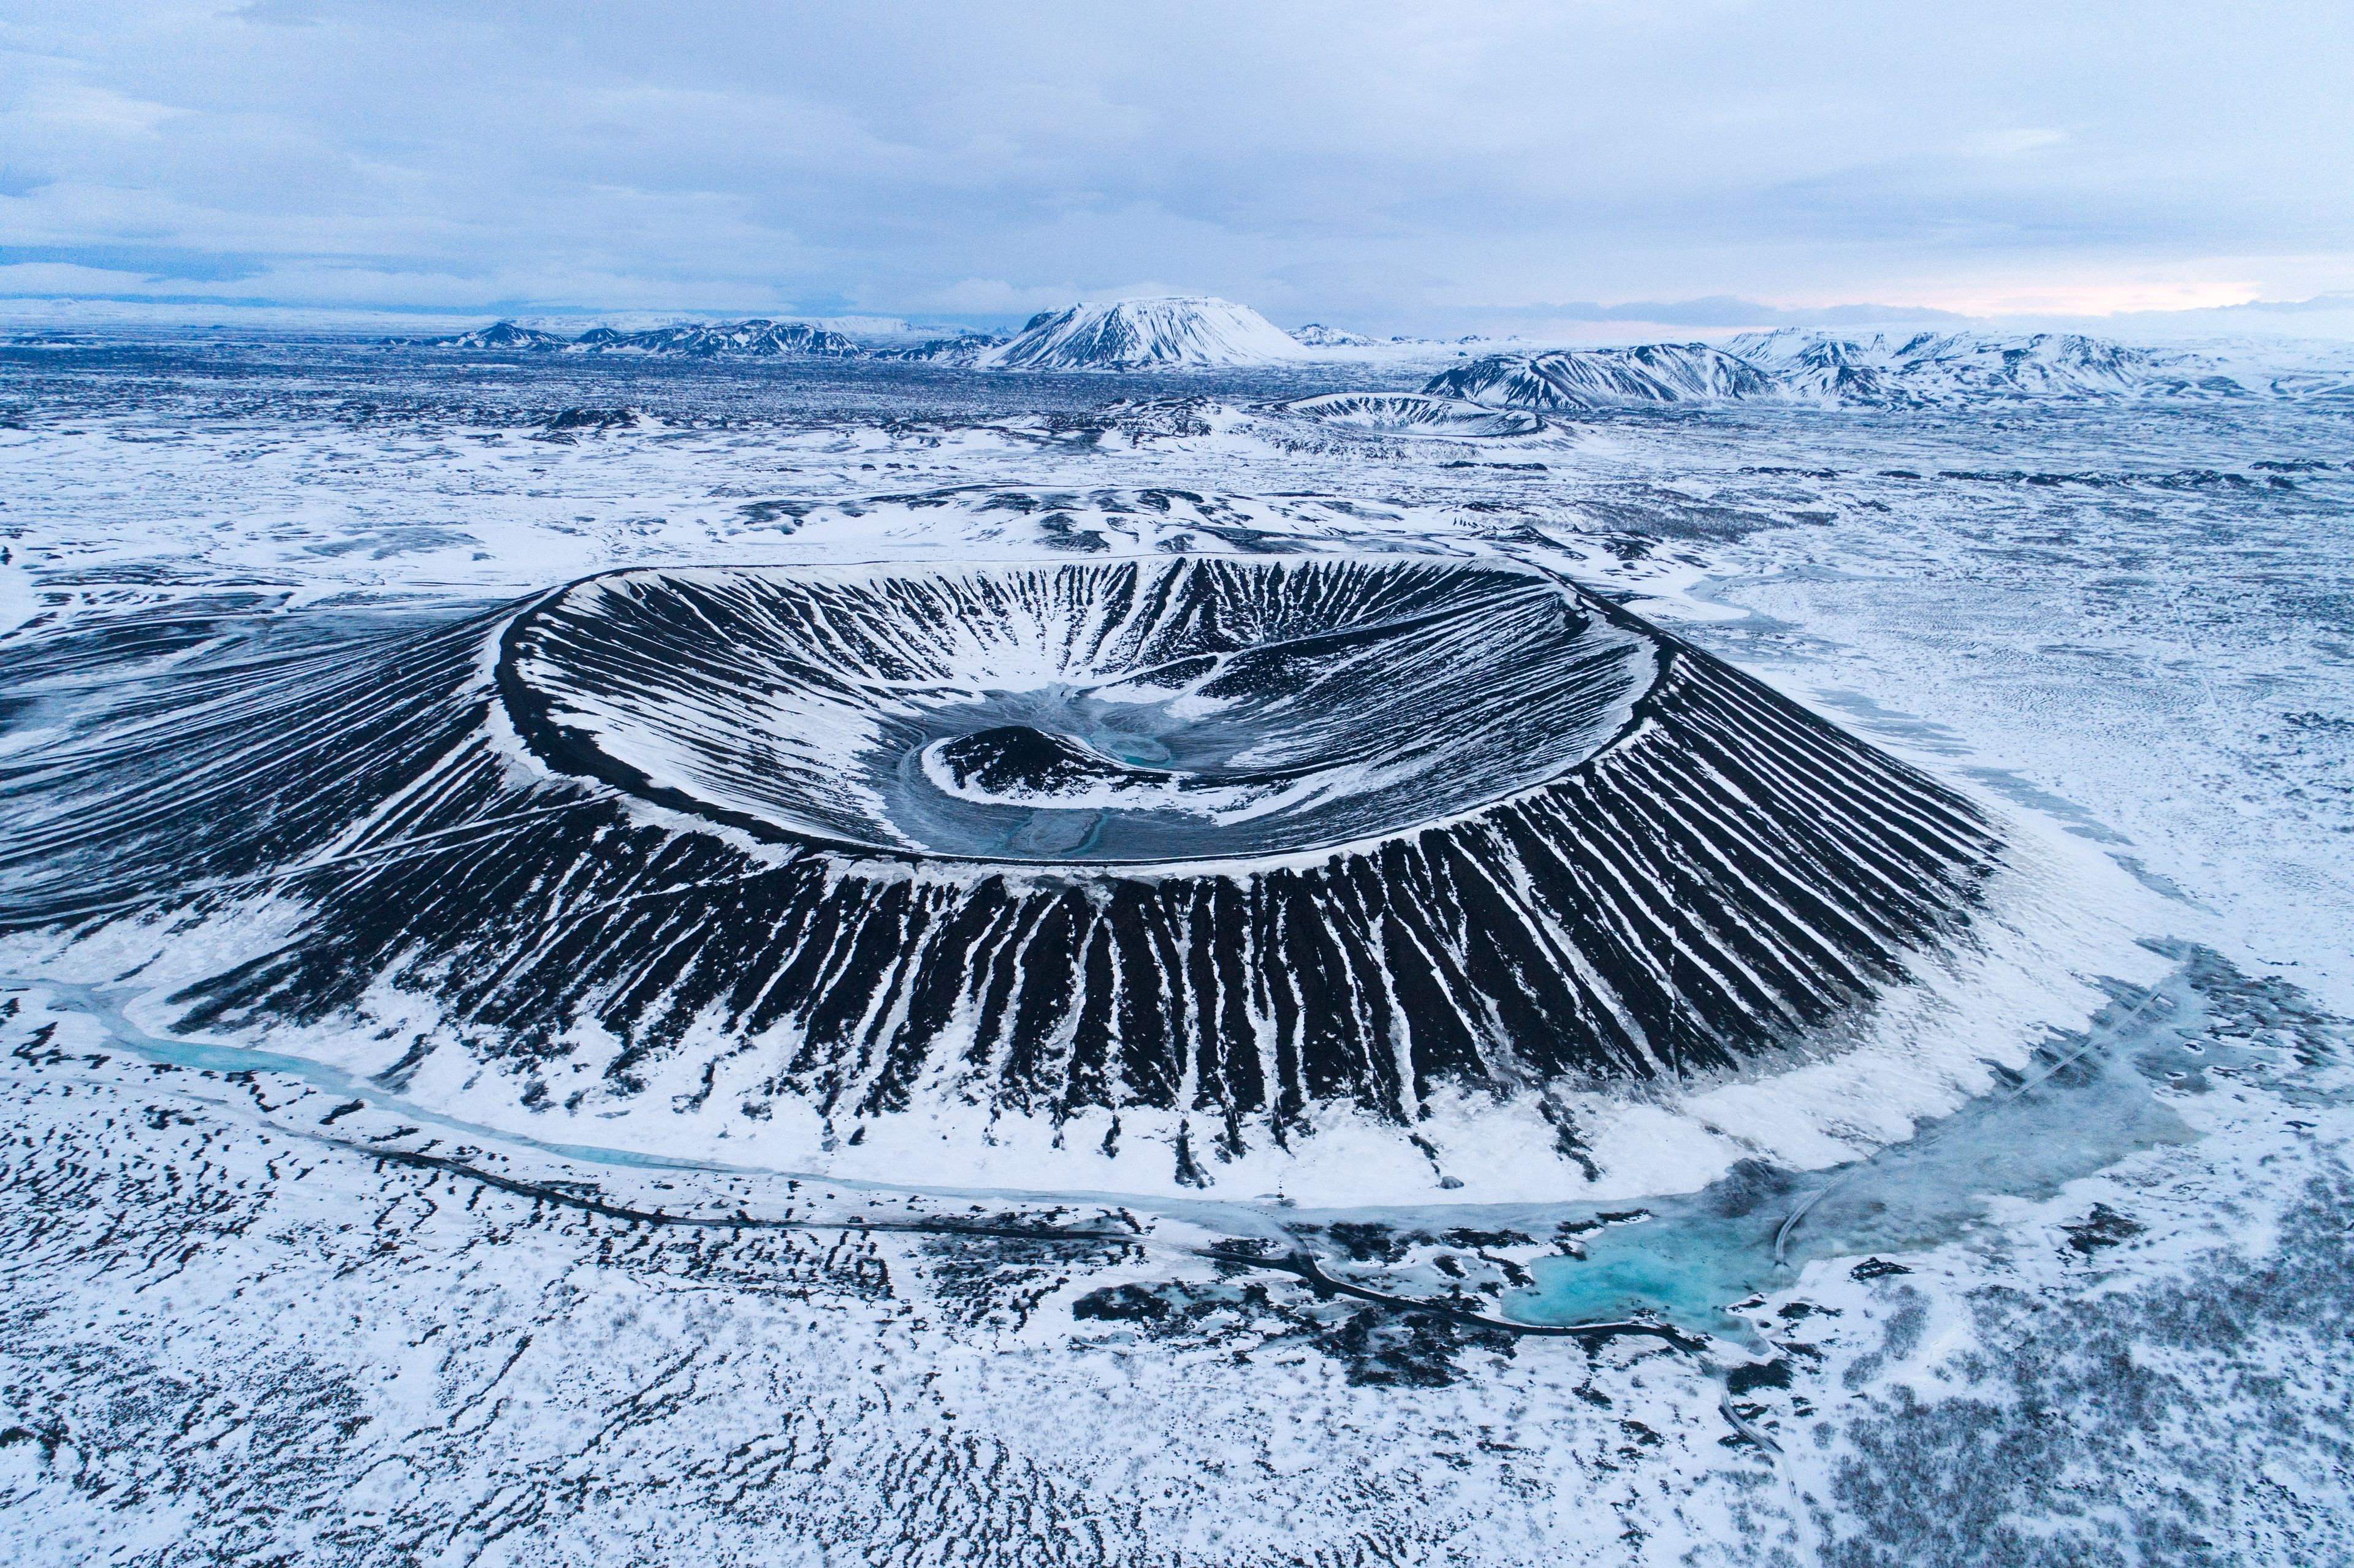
x=570, y=751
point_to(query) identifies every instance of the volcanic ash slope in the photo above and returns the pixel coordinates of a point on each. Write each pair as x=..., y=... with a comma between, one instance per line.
x=1359, y=879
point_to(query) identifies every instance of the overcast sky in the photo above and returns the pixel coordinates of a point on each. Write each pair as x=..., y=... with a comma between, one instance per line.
x=1406, y=168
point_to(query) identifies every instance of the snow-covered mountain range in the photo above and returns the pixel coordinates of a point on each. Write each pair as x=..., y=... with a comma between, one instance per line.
x=751, y=338
x=1927, y=368
x=1873, y=370
x=1877, y=370
x=1190, y=334
x=716, y=339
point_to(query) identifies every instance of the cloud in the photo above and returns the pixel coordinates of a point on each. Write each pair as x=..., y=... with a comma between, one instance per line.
x=1380, y=165
x=2018, y=143
x=1726, y=311
x=996, y=297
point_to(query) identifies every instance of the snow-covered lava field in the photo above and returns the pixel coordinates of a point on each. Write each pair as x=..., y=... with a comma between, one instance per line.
x=833, y=959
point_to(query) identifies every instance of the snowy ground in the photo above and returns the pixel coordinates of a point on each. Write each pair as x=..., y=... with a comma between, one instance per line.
x=2099, y=1318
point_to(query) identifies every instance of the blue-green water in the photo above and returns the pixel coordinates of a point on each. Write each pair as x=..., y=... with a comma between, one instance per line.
x=2090, y=1101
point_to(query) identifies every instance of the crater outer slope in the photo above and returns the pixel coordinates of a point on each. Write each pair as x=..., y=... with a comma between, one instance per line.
x=1629, y=860
x=1550, y=846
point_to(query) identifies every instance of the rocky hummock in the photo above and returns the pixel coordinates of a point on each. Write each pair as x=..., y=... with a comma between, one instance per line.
x=1017, y=763
x=1177, y=333
x=1236, y=854
x=963, y=350
x=1316, y=335
x=570, y=422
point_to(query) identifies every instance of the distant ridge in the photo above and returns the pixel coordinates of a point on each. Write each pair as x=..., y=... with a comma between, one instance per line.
x=716, y=339
x=754, y=337
x=1175, y=334
x=1601, y=377
x=962, y=351
x=1935, y=368
x=1875, y=370
x=1795, y=365
x=503, y=335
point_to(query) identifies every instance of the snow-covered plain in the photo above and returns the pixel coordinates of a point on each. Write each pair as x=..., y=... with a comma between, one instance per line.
x=267, y=1306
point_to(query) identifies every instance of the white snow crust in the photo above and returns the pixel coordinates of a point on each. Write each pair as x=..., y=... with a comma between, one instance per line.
x=245, y=1322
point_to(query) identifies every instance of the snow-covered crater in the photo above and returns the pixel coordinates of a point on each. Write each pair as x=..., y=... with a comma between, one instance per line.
x=1204, y=709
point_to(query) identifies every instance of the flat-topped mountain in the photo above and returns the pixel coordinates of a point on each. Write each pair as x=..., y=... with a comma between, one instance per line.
x=1178, y=333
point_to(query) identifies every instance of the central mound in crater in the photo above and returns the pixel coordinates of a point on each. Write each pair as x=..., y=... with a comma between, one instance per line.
x=1129, y=713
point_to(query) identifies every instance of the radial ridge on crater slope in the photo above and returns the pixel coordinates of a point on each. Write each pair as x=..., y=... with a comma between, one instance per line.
x=1188, y=710
x=1121, y=876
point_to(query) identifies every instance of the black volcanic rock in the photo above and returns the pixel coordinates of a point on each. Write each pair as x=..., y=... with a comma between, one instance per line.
x=1014, y=759
x=568, y=422
x=1411, y=414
